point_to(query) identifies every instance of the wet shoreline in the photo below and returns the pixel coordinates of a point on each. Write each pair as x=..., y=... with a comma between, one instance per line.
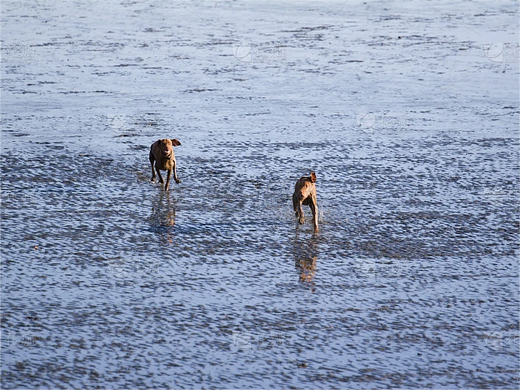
x=411, y=126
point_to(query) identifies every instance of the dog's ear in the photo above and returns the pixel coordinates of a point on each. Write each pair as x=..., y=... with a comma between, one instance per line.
x=176, y=142
x=313, y=177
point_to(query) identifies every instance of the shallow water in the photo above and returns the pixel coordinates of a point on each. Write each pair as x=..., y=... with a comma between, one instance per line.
x=409, y=122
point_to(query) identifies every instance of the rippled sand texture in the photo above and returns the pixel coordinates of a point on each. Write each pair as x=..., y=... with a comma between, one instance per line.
x=408, y=113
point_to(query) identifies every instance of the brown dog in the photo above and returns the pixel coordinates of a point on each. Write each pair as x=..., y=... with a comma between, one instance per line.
x=305, y=193
x=161, y=152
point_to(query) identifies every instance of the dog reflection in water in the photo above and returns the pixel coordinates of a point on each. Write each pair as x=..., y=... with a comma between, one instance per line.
x=307, y=268
x=162, y=218
x=169, y=218
x=305, y=254
x=163, y=212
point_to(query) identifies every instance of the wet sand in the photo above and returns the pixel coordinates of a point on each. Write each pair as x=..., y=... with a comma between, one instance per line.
x=408, y=113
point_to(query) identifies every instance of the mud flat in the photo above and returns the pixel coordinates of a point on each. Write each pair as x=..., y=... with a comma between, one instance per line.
x=408, y=113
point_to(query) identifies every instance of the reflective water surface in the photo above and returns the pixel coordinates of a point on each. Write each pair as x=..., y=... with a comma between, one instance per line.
x=405, y=112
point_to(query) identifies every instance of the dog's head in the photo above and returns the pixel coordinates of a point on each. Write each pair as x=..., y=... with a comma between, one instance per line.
x=305, y=186
x=166, y=146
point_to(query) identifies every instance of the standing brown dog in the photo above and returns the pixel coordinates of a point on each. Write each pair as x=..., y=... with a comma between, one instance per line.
x=305, y=193
x=161, y=152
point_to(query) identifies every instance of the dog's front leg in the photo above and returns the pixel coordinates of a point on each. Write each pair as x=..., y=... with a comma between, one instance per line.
x=168, y=175
x=159, y=173
x=300, y=212
x=295, y=205
x=177, y=180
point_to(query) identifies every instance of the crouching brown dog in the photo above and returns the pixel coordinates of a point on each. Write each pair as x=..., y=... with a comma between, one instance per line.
x=161, y=152
x=305, y=193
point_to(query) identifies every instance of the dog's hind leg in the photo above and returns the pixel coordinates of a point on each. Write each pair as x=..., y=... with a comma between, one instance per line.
x=314, y=208
x=152, y=160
